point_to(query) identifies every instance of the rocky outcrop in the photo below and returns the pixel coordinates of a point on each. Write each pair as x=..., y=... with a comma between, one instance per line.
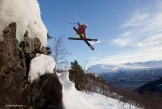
x=12, y=69
x=15, y=60
x=45, y=93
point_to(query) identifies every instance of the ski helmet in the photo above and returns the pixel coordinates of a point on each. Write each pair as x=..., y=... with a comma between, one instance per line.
x=85, y=25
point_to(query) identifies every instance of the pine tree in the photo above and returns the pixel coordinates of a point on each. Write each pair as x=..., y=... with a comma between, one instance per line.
x=76, y=75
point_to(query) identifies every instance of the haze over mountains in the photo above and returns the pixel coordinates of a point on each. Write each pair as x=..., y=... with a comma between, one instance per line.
x=138, y=71
x=109, y=68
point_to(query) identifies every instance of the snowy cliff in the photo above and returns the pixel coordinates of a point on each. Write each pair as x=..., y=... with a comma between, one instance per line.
x=27, y=80
x=26, y=14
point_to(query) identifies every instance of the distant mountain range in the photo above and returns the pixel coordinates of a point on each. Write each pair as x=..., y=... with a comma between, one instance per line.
x=154, y=86
x=138, y=71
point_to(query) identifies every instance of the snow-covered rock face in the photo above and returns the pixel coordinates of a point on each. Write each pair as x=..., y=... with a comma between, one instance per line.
x=26, y=14
x=40, y=65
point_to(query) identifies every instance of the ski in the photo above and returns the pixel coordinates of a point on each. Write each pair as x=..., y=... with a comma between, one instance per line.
x=88, y=39
x=84, y=39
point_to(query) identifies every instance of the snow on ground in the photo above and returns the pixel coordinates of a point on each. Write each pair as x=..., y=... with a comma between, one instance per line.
x=40, y=65
x=26, y=14
x=73, y=99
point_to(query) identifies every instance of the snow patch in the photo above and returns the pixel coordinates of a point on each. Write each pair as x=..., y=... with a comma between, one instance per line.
x=40, y=65
x=73, y=99
x=26, y=14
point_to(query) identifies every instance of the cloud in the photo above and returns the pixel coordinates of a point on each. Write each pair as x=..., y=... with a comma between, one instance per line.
x=96, y=42
x=125, y=34
x=142, y=32
x=123, y=39
x=137, y=20
x=134, y=56
x=153, y=41
x=144, y=28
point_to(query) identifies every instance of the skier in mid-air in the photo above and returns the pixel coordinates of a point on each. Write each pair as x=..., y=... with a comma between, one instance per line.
x=81, y=32
x=82, y=29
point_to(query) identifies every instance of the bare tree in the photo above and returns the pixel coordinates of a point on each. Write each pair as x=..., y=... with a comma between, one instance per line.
x=60, y=54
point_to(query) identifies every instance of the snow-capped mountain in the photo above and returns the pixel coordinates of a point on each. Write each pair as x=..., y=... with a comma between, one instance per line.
x=139, y=71
x=109, y=68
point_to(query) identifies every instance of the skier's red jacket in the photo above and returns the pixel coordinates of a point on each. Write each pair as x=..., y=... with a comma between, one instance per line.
x=82, y=29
